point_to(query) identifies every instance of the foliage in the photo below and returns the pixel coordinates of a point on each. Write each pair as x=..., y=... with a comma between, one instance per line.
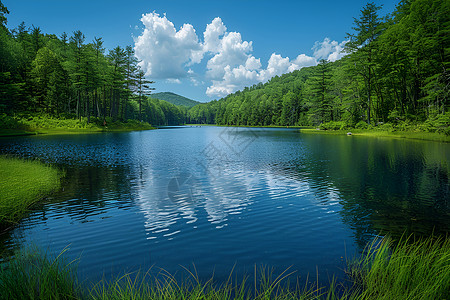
x=43, y=74
x=396, y=72
x=334, y=125
x=361, y=125
x=175, y=99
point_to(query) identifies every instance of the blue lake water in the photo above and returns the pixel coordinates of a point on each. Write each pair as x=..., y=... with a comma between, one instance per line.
x=217, y=198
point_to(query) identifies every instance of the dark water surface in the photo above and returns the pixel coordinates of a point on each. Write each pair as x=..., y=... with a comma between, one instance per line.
x=219, y=197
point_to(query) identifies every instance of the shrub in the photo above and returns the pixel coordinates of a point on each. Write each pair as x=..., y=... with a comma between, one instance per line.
x=387, y=127
x=361, y=125
x=334, y=125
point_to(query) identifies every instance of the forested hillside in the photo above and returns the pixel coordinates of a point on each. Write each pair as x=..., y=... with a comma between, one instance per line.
x=396, y=72
x=68, y=77
x=175, y=99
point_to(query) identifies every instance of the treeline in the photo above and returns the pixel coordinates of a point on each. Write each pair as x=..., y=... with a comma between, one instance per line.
x=396, y=71
x=67, y=77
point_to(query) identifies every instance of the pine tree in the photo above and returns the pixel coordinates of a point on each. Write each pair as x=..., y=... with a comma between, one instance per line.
x=143, y=89
x=362, y=45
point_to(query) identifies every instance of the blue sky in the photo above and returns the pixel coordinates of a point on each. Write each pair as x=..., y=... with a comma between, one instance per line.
x=204, y=50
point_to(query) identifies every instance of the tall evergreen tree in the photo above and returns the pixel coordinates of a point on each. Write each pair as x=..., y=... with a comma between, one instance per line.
x=362, y=45
x=143, y=88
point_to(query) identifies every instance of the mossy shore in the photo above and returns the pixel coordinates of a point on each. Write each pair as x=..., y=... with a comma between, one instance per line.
x=23, y=183
x=42, y=124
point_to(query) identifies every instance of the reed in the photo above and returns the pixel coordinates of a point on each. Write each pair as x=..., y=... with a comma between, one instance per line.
x=408, y=269
x=33, y=274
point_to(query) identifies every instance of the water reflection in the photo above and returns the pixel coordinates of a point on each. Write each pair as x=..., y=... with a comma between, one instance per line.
x=226, y=196
x=385, y=185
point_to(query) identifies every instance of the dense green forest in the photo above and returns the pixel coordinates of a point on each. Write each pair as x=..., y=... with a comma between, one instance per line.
x=396, y=74
x=175, y=99
x=67, y=77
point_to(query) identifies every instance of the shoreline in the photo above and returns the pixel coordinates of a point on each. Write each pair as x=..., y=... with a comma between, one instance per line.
x=410, y=135
x=6, y=133
x=250, y=126
x=37, y=181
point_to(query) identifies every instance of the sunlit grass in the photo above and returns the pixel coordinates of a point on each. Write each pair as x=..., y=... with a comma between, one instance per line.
x=23, y=183
x=44, y=124
x=407, y=270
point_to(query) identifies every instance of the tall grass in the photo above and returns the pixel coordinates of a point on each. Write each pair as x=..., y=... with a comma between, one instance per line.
x=164, y=286
x=23, y=183
x=33, y=274
x=410, y=269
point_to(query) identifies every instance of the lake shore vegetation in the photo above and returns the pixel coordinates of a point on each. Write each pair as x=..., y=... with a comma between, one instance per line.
x=23, y=183
x=45, y=124
x=407, y=269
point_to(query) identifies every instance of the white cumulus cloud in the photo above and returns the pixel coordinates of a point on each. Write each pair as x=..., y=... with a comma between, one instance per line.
x=164, y=52
x=168, y=53
x=329, y=50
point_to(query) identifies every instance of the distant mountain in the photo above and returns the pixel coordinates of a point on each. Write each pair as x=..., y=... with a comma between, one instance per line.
x=175, y=99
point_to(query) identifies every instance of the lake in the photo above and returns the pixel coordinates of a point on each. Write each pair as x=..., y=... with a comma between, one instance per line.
x=219, y=197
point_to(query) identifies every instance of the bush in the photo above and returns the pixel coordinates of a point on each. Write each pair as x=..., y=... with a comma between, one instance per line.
x=386, y=127
x=10, y=122
x=395, y=117
x=362, y=125
x=438, y=123
x=334, y=125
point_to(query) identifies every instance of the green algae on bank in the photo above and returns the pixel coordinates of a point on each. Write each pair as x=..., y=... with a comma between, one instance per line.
x=23, y=183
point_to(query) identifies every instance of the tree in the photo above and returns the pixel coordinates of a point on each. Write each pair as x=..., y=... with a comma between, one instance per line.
x=100, y=79
x=320, y=86
x=3, y=12
x=77, y=45
x=367, y=29
x=143, y=89
x=36, y=36
x=130, y=77
x=117, y=59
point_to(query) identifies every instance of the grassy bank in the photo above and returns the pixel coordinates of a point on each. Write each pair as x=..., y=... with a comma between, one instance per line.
x=426, y=136
x=43, y=124
x=23, y=183
x=408, y=270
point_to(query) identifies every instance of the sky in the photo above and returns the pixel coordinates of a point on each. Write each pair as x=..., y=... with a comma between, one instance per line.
x=204, y=50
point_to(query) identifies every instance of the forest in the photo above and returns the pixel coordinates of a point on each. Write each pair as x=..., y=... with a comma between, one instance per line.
x=67, y=77
x=395, y=75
